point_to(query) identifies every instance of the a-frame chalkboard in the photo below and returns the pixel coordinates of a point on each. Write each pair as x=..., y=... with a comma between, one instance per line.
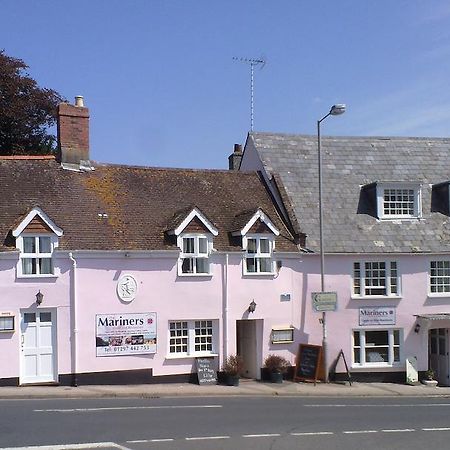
x=308, y=362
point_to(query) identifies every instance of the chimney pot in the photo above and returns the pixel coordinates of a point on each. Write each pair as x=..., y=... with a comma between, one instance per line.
x=79, y=101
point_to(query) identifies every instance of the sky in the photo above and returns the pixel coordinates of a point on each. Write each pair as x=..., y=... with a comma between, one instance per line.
x=164, y=90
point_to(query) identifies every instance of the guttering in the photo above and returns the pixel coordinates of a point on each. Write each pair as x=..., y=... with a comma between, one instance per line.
x=74, y=319
x=141, y=254
x=225, y=310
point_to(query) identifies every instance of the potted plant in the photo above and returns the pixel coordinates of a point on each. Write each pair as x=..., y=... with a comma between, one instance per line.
x=429, y=378
x=277, y=366
x=232, y=368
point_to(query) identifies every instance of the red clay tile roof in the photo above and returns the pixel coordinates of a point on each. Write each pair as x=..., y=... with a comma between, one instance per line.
x=129, y=208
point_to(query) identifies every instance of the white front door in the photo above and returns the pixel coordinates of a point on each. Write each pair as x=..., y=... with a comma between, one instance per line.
x=38, y=346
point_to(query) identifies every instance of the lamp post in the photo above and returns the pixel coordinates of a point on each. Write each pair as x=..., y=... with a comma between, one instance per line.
x=334, y=111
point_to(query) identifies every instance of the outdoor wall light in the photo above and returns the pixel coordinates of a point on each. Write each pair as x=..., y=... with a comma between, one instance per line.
x=417, y=328
x=252, y=307
x=39, y=298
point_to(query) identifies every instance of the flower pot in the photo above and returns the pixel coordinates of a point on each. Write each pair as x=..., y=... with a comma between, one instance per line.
x=276, y=377
x=232, y=380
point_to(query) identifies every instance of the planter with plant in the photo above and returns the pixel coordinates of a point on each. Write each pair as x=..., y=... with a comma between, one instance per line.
x=232, y=368
x=429, y=378
x=276, y=366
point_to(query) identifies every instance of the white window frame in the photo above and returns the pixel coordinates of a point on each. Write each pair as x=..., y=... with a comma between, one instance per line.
x=195, y=255
x=442, y=280
x=36, y=255
x=258, y=255
x=390, y=346
x=360, y=281
x=192, y=338
x=417, y=194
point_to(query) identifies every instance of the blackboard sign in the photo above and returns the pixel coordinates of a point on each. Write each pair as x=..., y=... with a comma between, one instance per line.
x=206, y=371
x=308, y=362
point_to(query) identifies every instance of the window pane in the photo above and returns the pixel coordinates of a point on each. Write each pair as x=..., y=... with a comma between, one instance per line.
x=356, y=338
x=265, y=265
x=264, y=246
x=202, y=265
x=29, y=317
x=29, y=245
x=203, y=245
x=377, y=354
x=251, y=245
x=377, y=338
x=187, y=266
x=251, y=264
x=357, y=355
x=45, y=245
x=45, y=317
x=188, y=245
x=45, y=265
x=28, y=266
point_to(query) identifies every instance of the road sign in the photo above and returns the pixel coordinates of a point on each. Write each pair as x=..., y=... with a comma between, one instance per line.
x=324, y=301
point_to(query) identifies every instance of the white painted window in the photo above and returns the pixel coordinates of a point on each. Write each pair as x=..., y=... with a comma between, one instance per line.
x=36, y=255
x=194, y=257
x=398, y=201
x=192, y=337
x=376, y=347
x=258, y=254
x=375, y=278
x=439, y=277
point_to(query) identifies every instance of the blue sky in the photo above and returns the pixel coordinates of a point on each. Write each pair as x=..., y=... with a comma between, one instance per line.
x=163, y=89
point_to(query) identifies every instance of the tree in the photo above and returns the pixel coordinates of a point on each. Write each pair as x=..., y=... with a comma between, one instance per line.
x=27, y=111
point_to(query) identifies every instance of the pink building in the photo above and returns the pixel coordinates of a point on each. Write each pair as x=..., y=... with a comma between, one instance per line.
x=114, y=274
x=386, y=244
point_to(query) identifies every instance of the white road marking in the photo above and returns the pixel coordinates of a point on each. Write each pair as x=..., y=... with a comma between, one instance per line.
x=144, y=441
x=436, y=429
x=396, y=405
x=205, y=438
x=121, y=408
x=261, y=435
x=360, y=431
x=317, y=433
x=70, y=446
x=400, y=430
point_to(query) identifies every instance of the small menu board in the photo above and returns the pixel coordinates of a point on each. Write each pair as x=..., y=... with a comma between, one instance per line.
x=308, y=362
x=206, y=372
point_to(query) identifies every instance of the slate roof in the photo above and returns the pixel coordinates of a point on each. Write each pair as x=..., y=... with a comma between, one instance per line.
x=128, y=208
x=349, y=163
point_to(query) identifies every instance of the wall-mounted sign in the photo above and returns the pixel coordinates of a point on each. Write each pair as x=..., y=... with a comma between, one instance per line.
x=126, y=288
x=377, y=315
x=125, y=334
x=324, y=301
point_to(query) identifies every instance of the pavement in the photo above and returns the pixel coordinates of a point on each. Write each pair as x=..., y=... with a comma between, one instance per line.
x=245, y=388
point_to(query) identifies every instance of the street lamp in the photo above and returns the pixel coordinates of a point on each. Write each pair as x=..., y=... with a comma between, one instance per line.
x=334, y=111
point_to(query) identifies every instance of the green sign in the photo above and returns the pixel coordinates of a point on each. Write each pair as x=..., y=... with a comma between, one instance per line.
x=324, y=301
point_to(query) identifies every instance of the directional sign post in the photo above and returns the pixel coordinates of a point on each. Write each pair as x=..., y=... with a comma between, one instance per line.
x=324, y=301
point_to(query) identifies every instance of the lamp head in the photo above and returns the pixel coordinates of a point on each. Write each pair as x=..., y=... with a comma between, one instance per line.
x=39, y=298
x=252, y=307
x=337, y=109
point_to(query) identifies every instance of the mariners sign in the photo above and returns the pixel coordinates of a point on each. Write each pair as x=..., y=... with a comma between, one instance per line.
x=377, y=315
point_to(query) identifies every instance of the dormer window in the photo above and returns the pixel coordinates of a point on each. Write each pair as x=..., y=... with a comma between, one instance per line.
x=258, y=242
x=258, y=258
x=195, y=254
x=195, y=236
x=398, y=201
x=36, y=238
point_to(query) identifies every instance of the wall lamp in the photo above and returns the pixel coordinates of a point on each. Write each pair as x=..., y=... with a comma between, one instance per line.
x=252, y=307
x=417, y=328
x=39, y=298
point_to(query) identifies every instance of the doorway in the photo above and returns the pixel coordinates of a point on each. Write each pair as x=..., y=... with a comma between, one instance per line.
x=438, y=355
x=38, y=346
x=248, y=345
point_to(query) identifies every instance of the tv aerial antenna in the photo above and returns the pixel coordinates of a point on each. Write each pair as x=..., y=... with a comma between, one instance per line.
x=252, y=63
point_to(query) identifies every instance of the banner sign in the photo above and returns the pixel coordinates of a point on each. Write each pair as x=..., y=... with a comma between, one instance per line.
x=377, y=315
x=125, y=334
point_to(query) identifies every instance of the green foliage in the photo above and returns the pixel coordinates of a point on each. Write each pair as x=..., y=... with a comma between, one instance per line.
x=26, y=111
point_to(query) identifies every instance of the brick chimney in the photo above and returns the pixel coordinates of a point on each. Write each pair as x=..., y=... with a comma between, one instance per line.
x=73, y=135
x=234, y=160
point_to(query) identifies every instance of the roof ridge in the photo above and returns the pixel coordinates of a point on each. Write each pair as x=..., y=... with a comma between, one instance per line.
x=31, y=157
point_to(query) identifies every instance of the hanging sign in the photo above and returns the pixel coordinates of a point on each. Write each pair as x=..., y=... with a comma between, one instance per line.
x=324, y=301
x=125, y=334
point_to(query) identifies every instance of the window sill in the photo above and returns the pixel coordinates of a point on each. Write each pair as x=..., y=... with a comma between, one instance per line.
x=37, y=276
x=438, y=295
x=259, y=274
x=195, y=275
x=396, y=365
x=195, y=355
x=376, y=297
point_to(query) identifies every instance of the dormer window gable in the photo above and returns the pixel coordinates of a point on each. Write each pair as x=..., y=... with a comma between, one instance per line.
x=392, y=200
x=195, y=236
x=36, y=238
x=258, y=242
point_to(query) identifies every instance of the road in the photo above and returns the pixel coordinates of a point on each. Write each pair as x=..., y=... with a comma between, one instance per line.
x=225, y=423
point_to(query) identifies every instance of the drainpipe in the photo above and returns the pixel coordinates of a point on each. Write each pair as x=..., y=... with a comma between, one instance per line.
x=225, y=311
x=74, y=319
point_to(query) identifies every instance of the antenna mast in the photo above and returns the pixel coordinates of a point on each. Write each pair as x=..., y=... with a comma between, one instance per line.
x=252, y=63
